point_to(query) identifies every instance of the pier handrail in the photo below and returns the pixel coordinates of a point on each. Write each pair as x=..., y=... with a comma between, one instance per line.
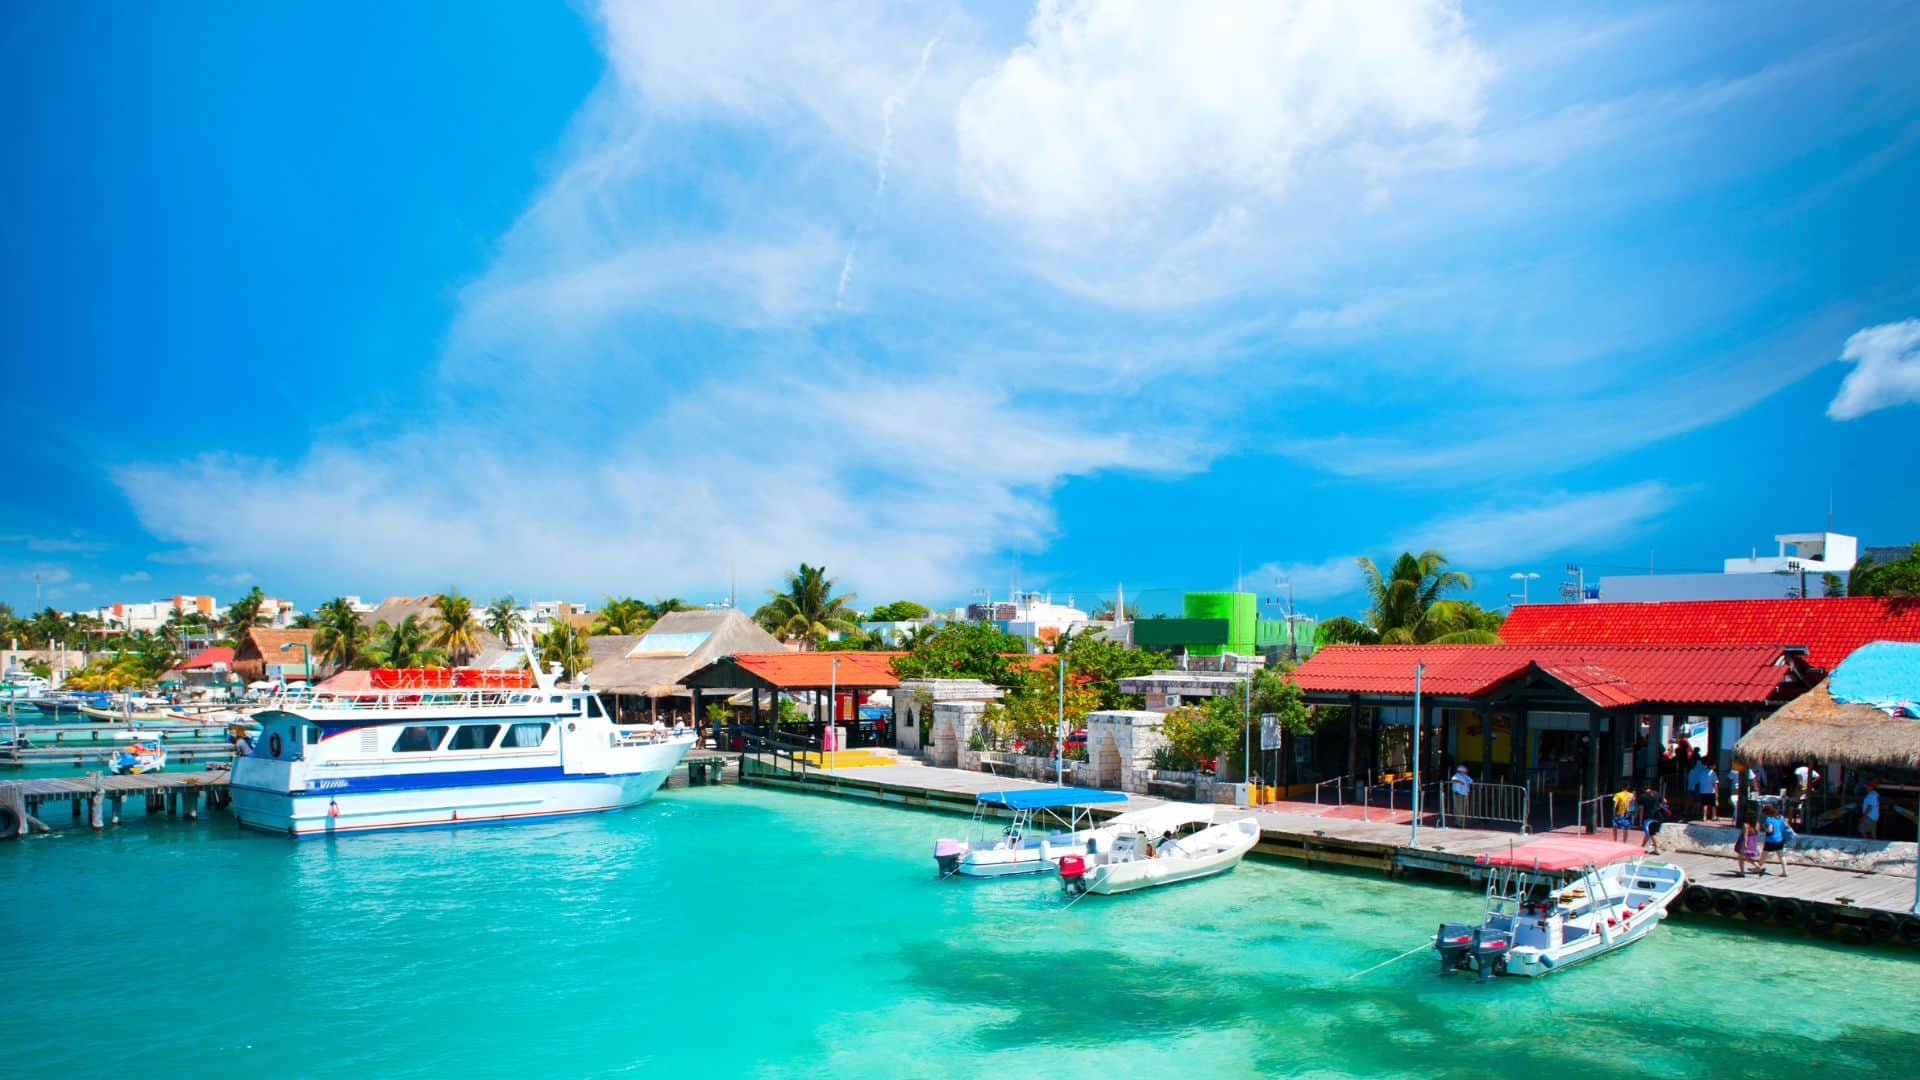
x=1339, y=790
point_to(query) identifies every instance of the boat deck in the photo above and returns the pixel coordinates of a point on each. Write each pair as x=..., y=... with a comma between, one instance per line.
x=1861, y=904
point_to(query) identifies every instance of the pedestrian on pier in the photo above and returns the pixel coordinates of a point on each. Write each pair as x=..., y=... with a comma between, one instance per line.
x=1747, y=848
x=1704, y=783
x=1870, y=811
x=1774, y=833
x=1462, y=786
x=1622, y=812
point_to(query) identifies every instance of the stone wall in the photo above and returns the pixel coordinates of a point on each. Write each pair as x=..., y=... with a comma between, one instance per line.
x=914, y=699
x=1120, y=747
x=953, y=722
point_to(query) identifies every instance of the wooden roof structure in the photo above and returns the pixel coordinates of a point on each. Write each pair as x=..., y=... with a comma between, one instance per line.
x=1815, y=727
x=657, y=663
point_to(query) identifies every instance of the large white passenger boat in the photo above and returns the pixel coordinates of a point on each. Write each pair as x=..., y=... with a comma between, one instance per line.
x=413, y=757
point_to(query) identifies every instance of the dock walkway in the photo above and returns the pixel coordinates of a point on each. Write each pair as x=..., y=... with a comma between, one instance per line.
x=102, y=797
x=1855, y=905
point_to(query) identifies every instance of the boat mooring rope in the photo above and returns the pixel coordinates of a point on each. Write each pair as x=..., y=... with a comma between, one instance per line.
x=1395, y=960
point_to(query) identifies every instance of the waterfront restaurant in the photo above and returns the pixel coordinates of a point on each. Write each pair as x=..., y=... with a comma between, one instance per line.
x=848, y=677
x=1565, y=721
x=643, y=676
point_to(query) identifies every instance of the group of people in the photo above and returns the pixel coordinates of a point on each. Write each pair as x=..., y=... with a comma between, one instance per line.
x=1643, y=812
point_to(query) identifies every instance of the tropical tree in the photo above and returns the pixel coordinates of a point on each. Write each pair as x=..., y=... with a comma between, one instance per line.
x=898, y=611
x=808, y=611
x=975, y=650
x=670, y=605
x=1033, y=711
x=1101, y=664
x=339, y=635
x=624, y=615
x=245, y=613
x=503, y=619
x=1408, y=605
x=1198, y=736
x=456, y=629
x=406, y=644
x=1895, y=577
x=1103, y=611
x=566, y=645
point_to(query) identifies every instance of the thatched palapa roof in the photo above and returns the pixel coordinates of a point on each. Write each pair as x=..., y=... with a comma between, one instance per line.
x=1815, y=727
x=682, y=642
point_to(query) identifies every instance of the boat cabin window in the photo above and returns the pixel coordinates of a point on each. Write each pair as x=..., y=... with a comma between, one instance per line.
x=473, y=736
x=593, y=709
x=525, y=736
x=420, y=737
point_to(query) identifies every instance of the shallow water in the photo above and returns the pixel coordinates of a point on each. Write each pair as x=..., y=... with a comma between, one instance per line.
x=733, y=931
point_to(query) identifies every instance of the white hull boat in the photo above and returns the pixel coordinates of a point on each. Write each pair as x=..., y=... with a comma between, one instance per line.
x=408, y=759
x=1046, y=823
x=1557, y=902
x=1146, y=848
x=136, y=758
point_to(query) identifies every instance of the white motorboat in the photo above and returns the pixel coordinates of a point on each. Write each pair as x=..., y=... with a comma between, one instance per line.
x=1159, y=846
x=1559, y=900
x=445, y=753
x=1046, y=824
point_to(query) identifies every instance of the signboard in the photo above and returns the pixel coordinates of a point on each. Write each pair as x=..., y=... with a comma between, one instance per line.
x=1269, y=731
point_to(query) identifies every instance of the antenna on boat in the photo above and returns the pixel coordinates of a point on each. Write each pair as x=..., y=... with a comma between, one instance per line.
x=543, y=679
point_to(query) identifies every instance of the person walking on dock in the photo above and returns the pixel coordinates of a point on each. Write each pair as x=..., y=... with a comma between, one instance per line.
x=1623, y=812
x=1774, y=832
x=1704, y=783
x=1747, y=848
x=1870, y=811
x=1462, y=786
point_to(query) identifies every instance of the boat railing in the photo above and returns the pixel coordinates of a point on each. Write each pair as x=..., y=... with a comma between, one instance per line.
x=399, y=699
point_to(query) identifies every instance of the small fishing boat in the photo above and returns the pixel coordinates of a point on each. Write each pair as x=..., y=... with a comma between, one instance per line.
x=1047, y=824
x=1159, y=846
x=119, y=714
x=1559, y=900
x=139, y=757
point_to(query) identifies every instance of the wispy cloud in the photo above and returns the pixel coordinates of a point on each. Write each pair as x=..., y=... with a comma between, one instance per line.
x=55, y=544
x=1886, y=370
x=137, y=575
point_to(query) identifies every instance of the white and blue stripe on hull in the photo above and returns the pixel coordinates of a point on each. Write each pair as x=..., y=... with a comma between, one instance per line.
x=435, y=803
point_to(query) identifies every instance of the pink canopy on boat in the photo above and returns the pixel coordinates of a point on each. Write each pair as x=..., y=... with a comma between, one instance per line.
x=1563, y=853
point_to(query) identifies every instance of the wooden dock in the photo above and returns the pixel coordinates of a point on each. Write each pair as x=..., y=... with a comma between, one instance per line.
x=102, y=798
x=1855, y=906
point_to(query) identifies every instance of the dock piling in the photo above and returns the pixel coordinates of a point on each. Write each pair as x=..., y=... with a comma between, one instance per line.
x=95, y=800
x=117, y=801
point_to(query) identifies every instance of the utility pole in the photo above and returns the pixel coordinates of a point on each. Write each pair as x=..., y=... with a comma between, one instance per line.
x=1060, y=730
x=1418, y=670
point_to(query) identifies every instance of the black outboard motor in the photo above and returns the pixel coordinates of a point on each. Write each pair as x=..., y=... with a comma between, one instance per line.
x=1490, y=949
x=946, y=856
x=1453, y=943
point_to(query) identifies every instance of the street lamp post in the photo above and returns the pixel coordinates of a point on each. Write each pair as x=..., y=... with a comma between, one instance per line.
x=306, y=658
x=1523, y=578
x=1419, y=669
x=833, y=709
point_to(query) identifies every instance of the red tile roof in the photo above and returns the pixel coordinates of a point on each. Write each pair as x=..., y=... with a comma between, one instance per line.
x=1828, y=628
x=810, y=670
x=1609, y=676
x=206, y=658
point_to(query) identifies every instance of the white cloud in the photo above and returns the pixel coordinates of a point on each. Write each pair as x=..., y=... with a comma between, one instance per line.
x=137, y=575
x=54, y=544
x=238, y=577
x=1494, y=538
x=1114, y=110
x=1886, y=370
x=895, y=486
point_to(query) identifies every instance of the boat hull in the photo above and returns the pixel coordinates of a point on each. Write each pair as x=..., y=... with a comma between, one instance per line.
x=323, y=814
x=1109, y=879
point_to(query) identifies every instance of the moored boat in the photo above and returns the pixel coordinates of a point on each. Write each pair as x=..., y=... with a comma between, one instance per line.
x=1159, y=846
x=1557, y=901
x=138, y=757
x=433, y=754
x=1028, y=843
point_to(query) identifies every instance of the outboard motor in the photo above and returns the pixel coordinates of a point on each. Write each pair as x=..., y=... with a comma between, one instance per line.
x=946, y=855
x=1073, y=874
x=1490, y=949
x=1453, y=944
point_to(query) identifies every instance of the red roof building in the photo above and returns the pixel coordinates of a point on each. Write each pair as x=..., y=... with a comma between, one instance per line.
x=1601, y=676
x=1828, y=628
x=208, y=659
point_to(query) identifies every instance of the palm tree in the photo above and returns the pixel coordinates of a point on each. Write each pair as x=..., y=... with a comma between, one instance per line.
x=565, y=645
x=404, y=645
x=808, y=611
x=503, y=619
x=625, y=615
x=670, y=605
x=244, y=613
x=456, y=629
x=339, y=635
x=1407, y=606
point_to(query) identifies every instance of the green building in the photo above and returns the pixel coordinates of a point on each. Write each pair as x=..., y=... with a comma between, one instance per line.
x=1216, y=623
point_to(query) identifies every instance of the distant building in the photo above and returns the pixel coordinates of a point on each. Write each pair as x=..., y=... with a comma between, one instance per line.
x=1797, y=569
x=1029, y=616
x=1225, y=624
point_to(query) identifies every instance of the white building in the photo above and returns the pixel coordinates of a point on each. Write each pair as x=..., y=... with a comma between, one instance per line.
x=1803, y=560
x=1029, y=616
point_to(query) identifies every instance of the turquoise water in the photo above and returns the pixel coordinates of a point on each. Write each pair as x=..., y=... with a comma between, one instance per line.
x=735, y=931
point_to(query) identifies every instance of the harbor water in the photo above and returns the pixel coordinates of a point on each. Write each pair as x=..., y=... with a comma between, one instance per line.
x=730, y=931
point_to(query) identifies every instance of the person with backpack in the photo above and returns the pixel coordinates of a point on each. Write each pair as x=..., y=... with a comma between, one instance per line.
x=1774, y=834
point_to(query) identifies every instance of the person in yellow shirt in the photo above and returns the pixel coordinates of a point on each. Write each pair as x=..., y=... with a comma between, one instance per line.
x=1623, y=812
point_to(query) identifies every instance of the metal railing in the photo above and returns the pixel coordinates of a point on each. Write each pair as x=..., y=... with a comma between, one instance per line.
x=395, y=700
x=1486, y=803
x=1339, y=784
x=776, y=754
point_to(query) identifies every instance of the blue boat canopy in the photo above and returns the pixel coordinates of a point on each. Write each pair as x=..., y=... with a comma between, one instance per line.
x=1047, y=798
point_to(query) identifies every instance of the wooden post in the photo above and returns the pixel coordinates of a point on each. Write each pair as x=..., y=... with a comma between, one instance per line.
x=173, y=803
x=74, y=805
x=94, y=807
x=117, y=801
x=191, y=798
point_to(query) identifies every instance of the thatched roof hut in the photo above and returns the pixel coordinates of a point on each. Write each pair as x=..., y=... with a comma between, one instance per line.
x=680, y=643
x=1815, y=727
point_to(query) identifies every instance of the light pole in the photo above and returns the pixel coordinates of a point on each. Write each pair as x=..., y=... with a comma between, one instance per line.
x=833, y=708
x=1523, y=579
x=1060, y=730
x=1418, y=670
x=306, y=658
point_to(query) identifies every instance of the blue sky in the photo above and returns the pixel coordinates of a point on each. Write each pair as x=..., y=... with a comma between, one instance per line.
x=635, y=298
